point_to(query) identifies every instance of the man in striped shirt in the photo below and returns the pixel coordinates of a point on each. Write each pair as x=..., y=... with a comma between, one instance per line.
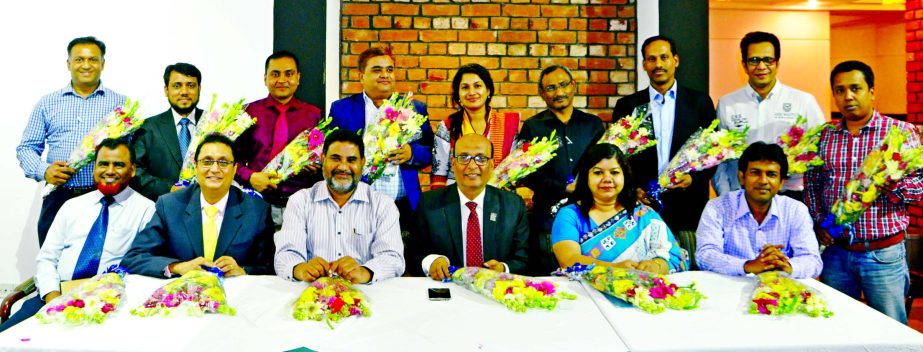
x=874, y=263
x=61, y=119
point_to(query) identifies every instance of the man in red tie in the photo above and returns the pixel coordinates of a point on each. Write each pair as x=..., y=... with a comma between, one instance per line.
x=470, y=223
x=280, y=117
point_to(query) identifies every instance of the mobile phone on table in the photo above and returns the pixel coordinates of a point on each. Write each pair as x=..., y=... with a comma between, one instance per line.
x=439, y=294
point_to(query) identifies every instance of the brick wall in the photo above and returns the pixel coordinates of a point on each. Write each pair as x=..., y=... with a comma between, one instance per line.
x=914, y=26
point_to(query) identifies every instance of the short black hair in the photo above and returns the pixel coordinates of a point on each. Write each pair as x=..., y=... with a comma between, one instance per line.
x=854, y=65
x=650, y=40
x=341, y=135
x=183, y=69
x=215, y=138
x=374, y=51
x=551, y=69
x=113, y=143
x=87, y=40
x=762, y=151
x=278, y=55
x=627, y=198
x=759, y=37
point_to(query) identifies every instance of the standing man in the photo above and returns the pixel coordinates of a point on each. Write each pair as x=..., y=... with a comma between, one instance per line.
x=280, y=117
x=576, y=130
x=674, y=112
x=766, y=105
x=874, y=263
x=60, y=120
x=356, y=112
x=161, y=143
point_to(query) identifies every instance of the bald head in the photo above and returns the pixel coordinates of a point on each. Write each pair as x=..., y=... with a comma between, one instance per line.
x=476, y=166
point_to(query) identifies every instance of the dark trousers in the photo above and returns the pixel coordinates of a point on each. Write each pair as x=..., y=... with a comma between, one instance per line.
x=28, y=309
x=406, y=217
x=50, y=206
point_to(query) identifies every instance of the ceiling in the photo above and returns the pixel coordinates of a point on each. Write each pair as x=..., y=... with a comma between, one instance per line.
x=815, y=5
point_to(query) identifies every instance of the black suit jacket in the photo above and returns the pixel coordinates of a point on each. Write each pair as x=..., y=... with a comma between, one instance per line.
x=438, y=228
x=156, y=151
x=694, y=109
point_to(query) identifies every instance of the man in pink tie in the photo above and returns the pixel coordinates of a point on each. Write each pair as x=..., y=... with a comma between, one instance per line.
x=280, y=117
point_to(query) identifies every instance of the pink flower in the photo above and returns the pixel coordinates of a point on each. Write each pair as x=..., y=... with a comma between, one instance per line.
x=315, y=138
x=762, y=304
x=108, y=307
x=625, y=123
x=337, y=304
x=391, y=113
x=896, y=157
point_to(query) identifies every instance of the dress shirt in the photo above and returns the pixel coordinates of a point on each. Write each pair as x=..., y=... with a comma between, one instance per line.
x=58, y=256
x=366, y=228
x=663, y=113
x=465, y=213
x=391, y=184
x=768, y=119
x=193, y=124
x=728, y=235
x=222, y=204
x=61, y=119
x=843, y=153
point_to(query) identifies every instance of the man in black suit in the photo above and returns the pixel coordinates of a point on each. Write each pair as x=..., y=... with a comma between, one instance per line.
x=160, y=144
x=491, y=230
x=674, y=113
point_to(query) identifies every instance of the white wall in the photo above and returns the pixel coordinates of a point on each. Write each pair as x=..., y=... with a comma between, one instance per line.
x=228, y=40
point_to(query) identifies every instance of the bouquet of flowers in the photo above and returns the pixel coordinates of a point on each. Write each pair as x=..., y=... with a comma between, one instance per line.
x=195, y=293
x=89, y=303
x=398, y=124
x=523, y=160
x=330, y=299
x=518, y=293
x=630, y=135
x=885, y=165
x=650, y=292
x=306, y=149
x=229, y=120
x=779, y=294
x=117, y=124
x=800, y=146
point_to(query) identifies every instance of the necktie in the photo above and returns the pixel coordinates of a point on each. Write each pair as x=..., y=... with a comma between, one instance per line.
x=474, y=255
x=280, y=133
x=210, y=232
x=88, y=261
x=184, y=136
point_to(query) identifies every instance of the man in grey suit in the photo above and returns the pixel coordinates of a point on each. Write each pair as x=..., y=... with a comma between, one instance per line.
x=184, y=233
x=491, y=230
x=160, y=144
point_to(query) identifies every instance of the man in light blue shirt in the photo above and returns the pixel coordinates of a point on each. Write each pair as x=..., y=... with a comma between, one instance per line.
x=753, y=230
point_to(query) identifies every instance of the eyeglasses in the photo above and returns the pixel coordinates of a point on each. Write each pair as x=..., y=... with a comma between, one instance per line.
x=755, y=61
x=554, y=87
x=480, y=160
x=222, y=164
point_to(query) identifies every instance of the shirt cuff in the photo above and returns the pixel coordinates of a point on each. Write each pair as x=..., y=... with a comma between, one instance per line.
x=45, y=286
x=40, y=175
x=166, y=271
x=428, y=261
x=506, y=268
x=737, y=266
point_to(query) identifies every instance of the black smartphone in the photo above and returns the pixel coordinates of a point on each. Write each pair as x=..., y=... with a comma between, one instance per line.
x=439, y=294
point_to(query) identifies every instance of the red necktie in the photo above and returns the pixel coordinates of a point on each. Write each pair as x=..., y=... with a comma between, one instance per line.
x=474, y=256
x=280, y=133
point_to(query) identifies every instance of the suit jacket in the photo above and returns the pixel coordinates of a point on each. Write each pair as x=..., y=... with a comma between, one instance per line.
x=438, y=228
x=174, y=234
x=155, y=147
x=349, y=114
x=682, y=208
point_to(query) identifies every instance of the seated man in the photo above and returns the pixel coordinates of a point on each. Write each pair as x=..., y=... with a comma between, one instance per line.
x=80, y=246
x=752, y=230
x=492, y=225
x=340, y=225
x=210, y=223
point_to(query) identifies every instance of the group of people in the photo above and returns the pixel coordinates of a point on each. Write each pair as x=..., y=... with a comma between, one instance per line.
x=589, y=204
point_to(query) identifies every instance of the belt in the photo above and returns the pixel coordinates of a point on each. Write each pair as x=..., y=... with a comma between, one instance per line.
x=874, y=244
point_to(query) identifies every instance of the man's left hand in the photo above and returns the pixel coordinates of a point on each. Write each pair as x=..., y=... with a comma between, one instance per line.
x=684, y=182
x=349, y=269
x=229, y=266
x=494, y=265
x=400, y=155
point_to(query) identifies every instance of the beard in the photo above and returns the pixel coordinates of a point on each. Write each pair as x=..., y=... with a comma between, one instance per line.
x=342, y=187
x=186, y=110
x=111, y=189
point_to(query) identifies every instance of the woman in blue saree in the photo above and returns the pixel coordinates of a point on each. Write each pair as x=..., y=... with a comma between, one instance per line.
x=605, y=224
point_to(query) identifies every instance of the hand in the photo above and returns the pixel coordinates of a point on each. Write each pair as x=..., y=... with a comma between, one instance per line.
x=349, y=269
x=823, y=237
x=656, y=265
x=495, y=266
x=182, y=268
x=400, y=155
x=439, y=270
x=176, y=188
x=229, y=266
x=570, y=187
x=770, y=258
x=58, y=173
x=311, y=169
x=684, y=182
x=628, y=264
x=260, y=181
x=643, y=197
x=51, y=295
x=311, y=270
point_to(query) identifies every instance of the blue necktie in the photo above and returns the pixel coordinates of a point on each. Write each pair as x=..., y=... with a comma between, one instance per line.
x=184, y=136
x=88, y=261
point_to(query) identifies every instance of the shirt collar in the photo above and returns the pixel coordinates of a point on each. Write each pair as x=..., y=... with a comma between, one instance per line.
x=221, y=204
x=360, y=194
x=743, y=208
x=874, y=122
x=775, y=89
x=177, y=117
x=292, y=104
x=69, y=90
x=369, y=103
x=656, y=97
x=119, y=198
x=477, y=199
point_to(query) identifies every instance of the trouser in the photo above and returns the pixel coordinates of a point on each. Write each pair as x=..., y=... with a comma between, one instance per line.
x=28, y=309
x=50, y=206
x=687, y=242
x=880, y=275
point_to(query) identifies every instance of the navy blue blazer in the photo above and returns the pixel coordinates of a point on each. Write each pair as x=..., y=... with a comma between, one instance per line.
x=174, y=234
x=349, y=114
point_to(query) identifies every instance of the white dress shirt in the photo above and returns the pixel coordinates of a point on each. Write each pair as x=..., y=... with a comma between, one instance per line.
x=465, y=213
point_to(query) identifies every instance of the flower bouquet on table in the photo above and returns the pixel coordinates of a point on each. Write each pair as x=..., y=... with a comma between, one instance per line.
x=398, y=124
x=630, y=134
x=884, y=166
x=89, y=303
x=779, y=294
x=195, y=293
x=649, y=292
x=524, y=159
x=306, y=149
x=518, y=293
x=119, y=123
x=800, y=146
x=229, y=120
x=330, y=299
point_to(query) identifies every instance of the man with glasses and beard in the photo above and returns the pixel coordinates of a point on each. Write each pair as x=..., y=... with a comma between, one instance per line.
x=340, y=226
x=80, y=246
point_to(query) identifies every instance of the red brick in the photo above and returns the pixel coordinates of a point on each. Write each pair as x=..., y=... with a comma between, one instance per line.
x=360, y=9
x=438, y=48
x=558, y=50
x=360, y=35
x=599, y=76
x=436, y=77
x=478, y=23
x=381, y=21
x=398, y=35
x=519, y=23
x=578, y=24
x=418, y=48
x=359, y=21
x=599, y=25
x=538, y=24
x=557, y=37
x=518, y=101
x=597, y=102
x=627, y=12
x=349, y=60
x=437, y=72
x=518, y=89
x=557, y=23
x=596, y=89
x=600, y=11
x=403, y=22
x=617, y=50
x=399, y=9
x=500, y=23
x=516, y=37
x=480, y=10
x=439, y=62
x=403, y=86
x=598, y=38
x=477, y=36
x=626, y=38
x=521, y=10
x=422, y=23
x=559, y=11
x=626, y=63
x=418, y=74
x=440, y=10
x=407, y=61
x=912, y=25
x=517, y=62
x=400, y=48
x=518, y=76
x=358, y=48
x=351, y=87
x=440, y=114
x=489, y=63
x=436, y=87
x=438, y=36
x=597, y=64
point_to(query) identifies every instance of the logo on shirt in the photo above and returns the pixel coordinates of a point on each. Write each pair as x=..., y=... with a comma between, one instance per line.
x=739, y=121
x=607, y=243
x=787, y=107
x=630, y=223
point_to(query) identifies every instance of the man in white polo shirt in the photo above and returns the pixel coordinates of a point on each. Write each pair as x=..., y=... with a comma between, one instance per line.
x=766, y=105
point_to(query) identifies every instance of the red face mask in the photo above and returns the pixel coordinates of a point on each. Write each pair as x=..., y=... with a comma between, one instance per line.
x=110, y=189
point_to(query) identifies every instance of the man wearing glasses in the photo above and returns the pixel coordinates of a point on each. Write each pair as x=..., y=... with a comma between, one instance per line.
x=209, y=224
x=576, y=130
x=766, y=105
x=469, y=223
